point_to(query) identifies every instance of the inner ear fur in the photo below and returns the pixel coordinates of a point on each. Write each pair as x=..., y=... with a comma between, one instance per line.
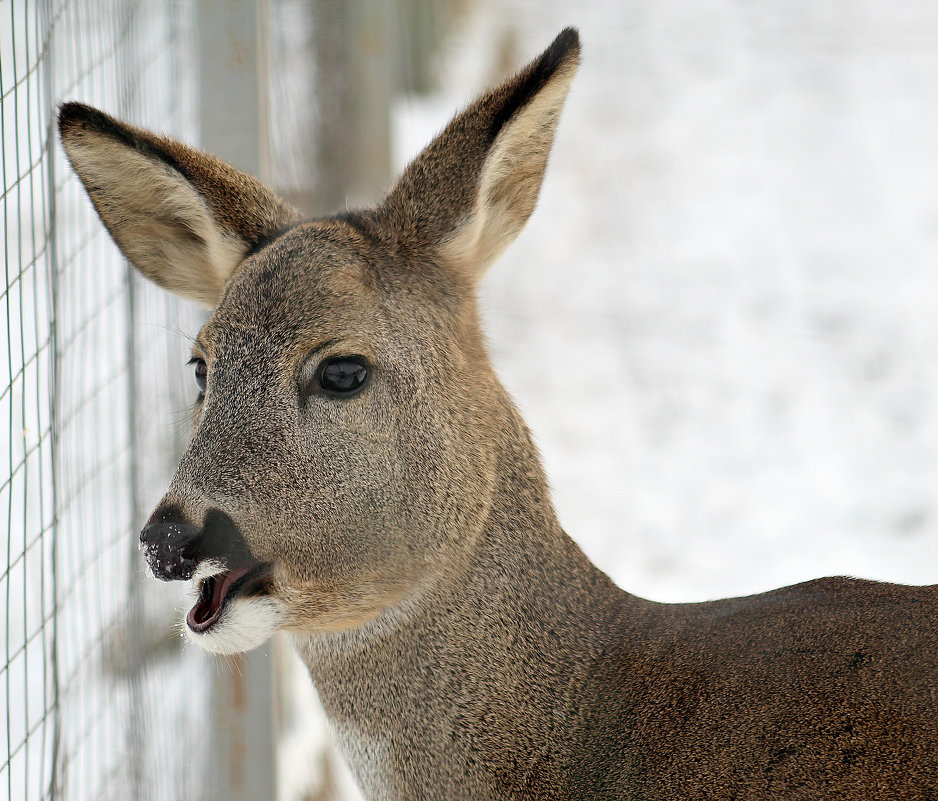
x=183, y=217
x=470, y=192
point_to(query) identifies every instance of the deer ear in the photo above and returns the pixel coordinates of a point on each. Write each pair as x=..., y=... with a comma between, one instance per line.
x=184, y=218
x=470, y=192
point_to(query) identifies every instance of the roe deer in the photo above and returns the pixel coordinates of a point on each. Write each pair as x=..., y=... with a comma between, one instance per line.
x=358, y=477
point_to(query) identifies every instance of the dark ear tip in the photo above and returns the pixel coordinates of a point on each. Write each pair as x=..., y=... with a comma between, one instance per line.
x=565, y=46
x=72, y=115
x=76, y=120
x=77, y=117
x=562, y=52
x=568, y=39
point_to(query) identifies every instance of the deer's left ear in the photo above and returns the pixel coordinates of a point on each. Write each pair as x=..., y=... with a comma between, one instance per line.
x=470, y=192
x=183, y=217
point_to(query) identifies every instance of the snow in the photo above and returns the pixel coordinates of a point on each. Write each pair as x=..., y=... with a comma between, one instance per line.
x=720, y=321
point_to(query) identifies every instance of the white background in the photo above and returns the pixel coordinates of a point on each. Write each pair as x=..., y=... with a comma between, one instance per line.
x=722, y=320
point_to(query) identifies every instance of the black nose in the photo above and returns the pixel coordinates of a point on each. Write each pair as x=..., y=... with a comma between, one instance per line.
x=169, y=548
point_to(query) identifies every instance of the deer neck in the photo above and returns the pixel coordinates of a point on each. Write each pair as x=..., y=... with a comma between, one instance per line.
x=460, y=693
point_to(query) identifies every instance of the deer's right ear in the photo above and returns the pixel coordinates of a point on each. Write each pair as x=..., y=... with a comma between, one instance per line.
x=184, y=218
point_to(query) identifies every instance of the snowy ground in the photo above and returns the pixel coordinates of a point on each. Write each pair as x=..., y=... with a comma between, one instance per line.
x=721, y=322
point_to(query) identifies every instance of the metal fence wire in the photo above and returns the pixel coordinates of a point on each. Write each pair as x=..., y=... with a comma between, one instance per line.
x=97, y=698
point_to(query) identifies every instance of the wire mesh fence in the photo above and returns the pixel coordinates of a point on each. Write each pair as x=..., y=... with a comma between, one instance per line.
x=125, y=715
x=27, y=590
x=89, y=707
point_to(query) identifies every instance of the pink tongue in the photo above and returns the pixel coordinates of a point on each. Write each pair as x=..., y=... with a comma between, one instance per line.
x=221, y=589
x=201, y=618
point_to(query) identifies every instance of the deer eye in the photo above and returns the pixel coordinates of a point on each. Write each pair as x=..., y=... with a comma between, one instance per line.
x=342, y=375
x=201, y=373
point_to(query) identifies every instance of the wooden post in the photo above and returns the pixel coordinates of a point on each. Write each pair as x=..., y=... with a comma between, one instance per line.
x=355, y=46
x=232, y=36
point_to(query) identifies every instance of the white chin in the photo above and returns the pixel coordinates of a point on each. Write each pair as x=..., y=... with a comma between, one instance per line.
x=244, y=624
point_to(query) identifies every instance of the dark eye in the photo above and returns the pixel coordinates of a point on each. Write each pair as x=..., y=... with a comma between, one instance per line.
x=201, y=373
x=342, y=375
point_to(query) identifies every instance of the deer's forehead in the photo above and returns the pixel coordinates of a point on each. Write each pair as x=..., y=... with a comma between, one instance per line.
x=326, y=282
x=310, y=281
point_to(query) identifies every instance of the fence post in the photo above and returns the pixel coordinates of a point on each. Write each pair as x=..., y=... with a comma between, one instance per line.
x=233, y=83
x=355, y=45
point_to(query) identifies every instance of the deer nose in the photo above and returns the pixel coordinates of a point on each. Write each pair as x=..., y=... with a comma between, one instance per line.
x=169, y=548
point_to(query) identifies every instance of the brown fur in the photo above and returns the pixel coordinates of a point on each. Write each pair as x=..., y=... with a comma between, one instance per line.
x=462, y=644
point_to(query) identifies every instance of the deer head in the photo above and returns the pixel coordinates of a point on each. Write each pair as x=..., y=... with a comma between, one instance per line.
x=348, y=425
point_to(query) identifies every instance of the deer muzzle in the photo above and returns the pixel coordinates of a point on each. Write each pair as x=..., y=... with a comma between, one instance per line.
x=170, y=549
x=174, y=548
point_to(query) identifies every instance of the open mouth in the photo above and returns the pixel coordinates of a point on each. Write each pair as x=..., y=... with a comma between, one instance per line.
x=214, y=593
